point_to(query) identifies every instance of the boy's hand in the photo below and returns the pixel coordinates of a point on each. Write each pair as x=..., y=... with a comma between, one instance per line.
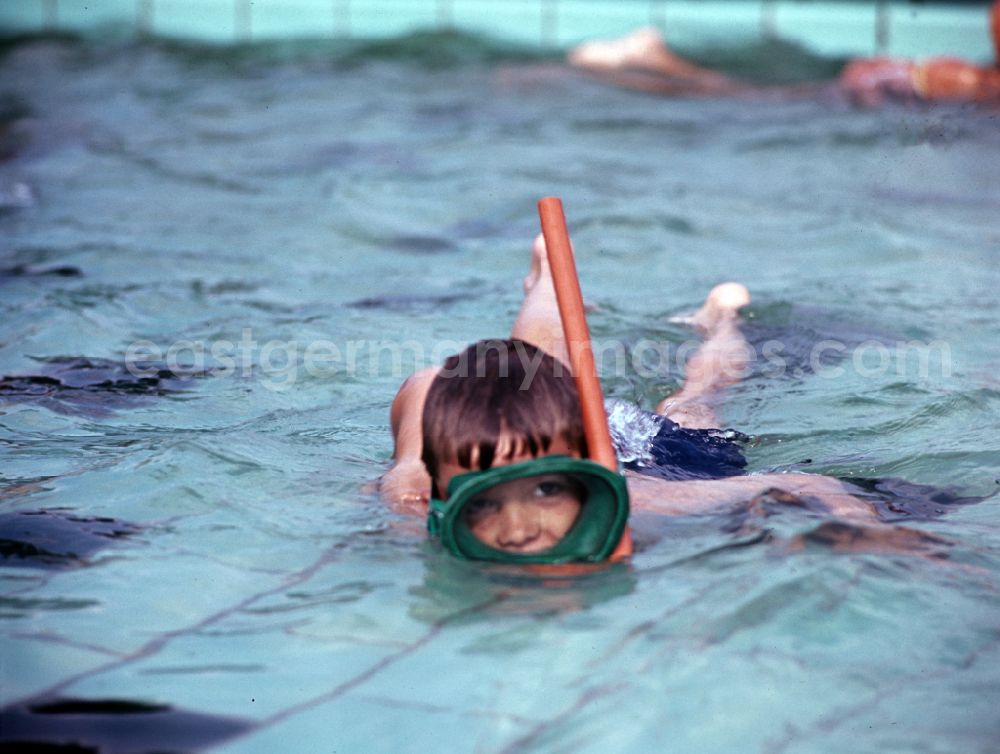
x=406, y=487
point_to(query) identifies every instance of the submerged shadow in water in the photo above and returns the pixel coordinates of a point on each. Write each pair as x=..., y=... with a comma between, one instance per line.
x=24, y=271
x=56, y=539
x=896, y=499
x=77, y=385
x=844, y=537
x=797, y=341
x=111, y=726
x=404, y=303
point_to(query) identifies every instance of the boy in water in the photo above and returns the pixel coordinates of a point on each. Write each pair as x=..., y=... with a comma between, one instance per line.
x=641, y=60
x=500, y=405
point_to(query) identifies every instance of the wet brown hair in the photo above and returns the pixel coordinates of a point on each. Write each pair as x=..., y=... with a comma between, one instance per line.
x=494, y=388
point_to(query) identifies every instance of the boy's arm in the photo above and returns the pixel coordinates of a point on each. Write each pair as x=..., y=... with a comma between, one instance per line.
x=851, y=523
x=712, y=495
x=407, y=484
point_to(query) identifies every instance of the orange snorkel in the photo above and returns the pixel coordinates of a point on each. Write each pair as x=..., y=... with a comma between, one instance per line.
x=581, y=354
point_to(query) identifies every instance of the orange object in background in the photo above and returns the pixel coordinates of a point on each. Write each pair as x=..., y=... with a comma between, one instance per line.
x=869, y=80
x=947, y=78
x=581, y=353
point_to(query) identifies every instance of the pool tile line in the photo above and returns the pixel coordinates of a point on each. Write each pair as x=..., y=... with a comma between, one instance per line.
x=485, y=714
x=155, y=645
x=587, y=697
x=339, y=690
x=31, y=583
x=643, y=629
x=152, y=647
x=187, y=551
x=699, y=597
x=835, y=719
x=762, y=536
x=358, y=639
x=973, y=656
x=54, y=638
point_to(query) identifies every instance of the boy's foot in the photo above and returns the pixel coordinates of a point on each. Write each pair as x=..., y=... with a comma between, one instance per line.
x=645, y=51
x=637, y=50
x=540, y=272
x=539, y=264
x=723, y=304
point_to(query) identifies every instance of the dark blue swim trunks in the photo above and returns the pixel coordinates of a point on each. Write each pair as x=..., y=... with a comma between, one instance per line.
x=654, y=445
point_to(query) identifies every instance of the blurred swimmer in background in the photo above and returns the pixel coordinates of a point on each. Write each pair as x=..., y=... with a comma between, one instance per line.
x=642, y=61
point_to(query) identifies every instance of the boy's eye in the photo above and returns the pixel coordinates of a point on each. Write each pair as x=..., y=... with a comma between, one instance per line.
x=549, y=488
x=479, y=509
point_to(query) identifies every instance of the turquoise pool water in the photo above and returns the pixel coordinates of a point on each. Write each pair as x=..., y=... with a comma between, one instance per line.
x=214, y=214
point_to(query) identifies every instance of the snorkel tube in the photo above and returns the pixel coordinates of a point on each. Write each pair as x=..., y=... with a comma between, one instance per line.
x=581, y=353
x=576, y=332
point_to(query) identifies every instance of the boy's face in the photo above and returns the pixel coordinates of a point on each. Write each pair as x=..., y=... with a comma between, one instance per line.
x=527, y=515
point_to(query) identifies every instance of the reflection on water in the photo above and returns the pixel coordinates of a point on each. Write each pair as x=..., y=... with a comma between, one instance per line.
x=230, y=573
x=477, y=591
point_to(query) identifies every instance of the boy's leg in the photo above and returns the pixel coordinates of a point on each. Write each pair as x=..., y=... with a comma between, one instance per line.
x=720, y=361
x=538, y=321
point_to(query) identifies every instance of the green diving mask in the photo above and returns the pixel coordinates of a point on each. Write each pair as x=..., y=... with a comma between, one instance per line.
x=584, y=505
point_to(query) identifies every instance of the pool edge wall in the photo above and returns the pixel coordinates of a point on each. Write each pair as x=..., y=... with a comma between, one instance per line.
x=828, y=28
